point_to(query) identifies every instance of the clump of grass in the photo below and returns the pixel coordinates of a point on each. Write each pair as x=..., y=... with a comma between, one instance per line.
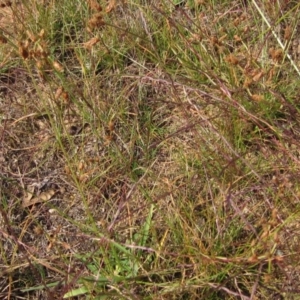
x=150, y=151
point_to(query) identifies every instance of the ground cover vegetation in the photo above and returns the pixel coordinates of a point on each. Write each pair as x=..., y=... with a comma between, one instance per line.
x=149, y=149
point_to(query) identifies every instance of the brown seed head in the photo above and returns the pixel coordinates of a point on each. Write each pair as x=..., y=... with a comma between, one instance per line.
x=288, y=33
x=94, y=5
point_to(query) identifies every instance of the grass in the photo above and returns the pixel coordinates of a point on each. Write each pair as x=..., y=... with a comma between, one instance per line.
x=149, y=150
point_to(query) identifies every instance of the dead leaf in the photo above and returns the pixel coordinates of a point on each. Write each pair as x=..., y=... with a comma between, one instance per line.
x=111, y=5
x=58, y=92
x=31, y=36
x=58, y=67
x=89, y=44
x=258, y=76
x=43, y=197
x=65, y=245
x=28, y=194
x=42, y=33
x=257, y=98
